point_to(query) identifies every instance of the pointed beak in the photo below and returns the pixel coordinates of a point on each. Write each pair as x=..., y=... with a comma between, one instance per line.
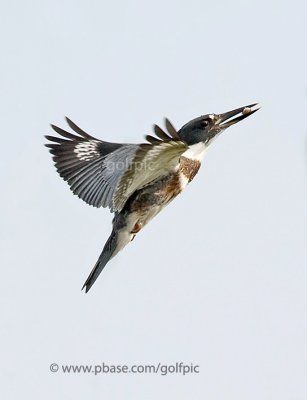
x=225, y=120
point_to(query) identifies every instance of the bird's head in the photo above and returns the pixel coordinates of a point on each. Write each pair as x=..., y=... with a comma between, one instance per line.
x=208, y=127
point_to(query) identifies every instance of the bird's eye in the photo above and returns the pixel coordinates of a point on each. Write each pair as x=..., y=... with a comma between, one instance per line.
x=204, y=123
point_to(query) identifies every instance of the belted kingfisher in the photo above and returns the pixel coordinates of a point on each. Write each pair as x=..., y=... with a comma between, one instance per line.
x=136, y=181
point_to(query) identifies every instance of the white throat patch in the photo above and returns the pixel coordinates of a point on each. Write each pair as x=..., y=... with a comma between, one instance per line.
x=196, y=151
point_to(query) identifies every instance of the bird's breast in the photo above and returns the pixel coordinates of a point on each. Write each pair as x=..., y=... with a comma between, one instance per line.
x=188, y=168
x=189, y=163
x=148, y=201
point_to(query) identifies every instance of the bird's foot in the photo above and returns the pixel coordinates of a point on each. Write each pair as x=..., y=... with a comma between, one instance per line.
x=137, y=227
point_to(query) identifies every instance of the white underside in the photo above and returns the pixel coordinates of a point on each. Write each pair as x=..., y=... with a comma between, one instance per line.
x=125, y=236
x=183, y=181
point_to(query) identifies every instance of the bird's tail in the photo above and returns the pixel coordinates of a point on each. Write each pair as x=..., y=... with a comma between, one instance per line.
x=118, y=239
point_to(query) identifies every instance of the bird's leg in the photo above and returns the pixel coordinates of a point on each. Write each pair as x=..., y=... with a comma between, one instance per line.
x=137, y=227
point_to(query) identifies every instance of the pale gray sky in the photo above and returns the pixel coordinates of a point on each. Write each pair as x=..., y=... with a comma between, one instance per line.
x=219, y=277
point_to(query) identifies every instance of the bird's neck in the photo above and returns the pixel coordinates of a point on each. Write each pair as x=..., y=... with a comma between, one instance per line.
x=196, y=151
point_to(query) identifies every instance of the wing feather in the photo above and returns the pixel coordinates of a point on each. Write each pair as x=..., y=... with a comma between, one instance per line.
x=171, y=130
x=161, y=134
x=63, y=133
x=78, y=130
x=152, y=139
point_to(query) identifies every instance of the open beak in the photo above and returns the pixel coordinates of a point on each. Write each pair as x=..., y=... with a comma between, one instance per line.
x=225, y=120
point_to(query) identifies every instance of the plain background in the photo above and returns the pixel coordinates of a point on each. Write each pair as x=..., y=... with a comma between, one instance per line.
x=219, y=277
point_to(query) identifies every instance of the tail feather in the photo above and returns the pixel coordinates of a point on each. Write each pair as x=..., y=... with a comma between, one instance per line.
x=118, y=239
x=103, y=259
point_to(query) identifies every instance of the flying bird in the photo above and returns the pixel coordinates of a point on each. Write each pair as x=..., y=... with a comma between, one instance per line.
x=135, y=181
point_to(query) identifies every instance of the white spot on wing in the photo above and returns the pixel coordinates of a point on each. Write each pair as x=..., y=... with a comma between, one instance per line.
x=85, y=151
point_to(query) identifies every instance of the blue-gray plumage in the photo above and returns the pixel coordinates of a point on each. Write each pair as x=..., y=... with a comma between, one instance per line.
x=136, y=181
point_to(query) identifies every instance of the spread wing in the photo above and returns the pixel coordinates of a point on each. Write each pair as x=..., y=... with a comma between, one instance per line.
x=105, y=174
